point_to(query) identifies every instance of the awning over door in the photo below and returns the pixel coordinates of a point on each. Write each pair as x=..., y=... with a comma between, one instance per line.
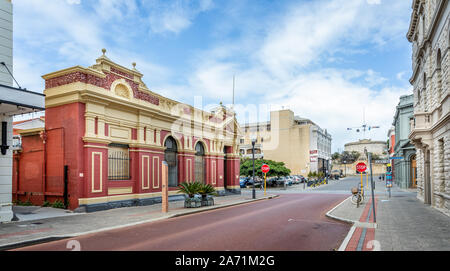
x=16, y=101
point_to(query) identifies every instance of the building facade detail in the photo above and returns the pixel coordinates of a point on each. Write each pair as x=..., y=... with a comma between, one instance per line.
x=430, y=129
x=113, y=133
x=13, y=102
x=405, y=169
x=298, y=142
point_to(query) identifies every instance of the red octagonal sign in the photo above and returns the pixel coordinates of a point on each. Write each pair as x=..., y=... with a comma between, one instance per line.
x=361, y=167
x=265, y=168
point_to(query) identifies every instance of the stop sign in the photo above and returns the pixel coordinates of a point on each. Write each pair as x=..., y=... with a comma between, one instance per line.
x=361, y=167
x=265, y=168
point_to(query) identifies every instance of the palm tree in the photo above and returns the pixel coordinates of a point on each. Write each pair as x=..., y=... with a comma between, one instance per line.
x=189, y=188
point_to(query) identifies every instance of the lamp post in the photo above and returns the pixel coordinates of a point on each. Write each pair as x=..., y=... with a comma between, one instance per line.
x=345, y=167
x=253, y=158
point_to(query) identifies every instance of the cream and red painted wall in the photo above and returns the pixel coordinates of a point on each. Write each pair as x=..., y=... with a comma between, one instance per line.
x=89, y=108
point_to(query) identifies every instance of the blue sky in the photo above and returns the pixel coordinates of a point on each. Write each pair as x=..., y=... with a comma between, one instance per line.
x=326, y=60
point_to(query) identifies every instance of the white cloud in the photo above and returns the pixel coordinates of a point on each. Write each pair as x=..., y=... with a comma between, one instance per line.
x=73, y=2
x=174, y=16
x=284, y=69
x=279, y=62
x=373, y=2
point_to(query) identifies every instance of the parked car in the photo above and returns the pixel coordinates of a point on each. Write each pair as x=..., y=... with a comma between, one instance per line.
x=335, y=174
x=271, y=182
x=297, y=179
x=284, y=180
x=248, y=182
x=302, y=179
x=243, y=182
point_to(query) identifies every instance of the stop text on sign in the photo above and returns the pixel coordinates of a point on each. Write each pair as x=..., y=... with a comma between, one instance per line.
x=361, y=167
x=265, y=168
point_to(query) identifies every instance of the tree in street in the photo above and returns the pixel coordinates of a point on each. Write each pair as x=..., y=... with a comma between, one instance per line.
x=276, y=168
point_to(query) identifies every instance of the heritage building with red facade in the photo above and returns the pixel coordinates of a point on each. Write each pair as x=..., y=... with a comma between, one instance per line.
x=106, y=136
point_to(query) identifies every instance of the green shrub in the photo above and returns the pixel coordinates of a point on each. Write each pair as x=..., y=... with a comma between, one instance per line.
x=189, y=188
x=46, y=204
x=206, y=189
x=58, y=204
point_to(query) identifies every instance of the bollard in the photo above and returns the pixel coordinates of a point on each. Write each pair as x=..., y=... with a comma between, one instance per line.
x=165, y=187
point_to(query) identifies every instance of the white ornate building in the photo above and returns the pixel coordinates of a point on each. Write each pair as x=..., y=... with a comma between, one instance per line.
x=430, y=128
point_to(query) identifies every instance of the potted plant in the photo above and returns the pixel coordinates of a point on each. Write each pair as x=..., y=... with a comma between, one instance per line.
x=206, y=190
x=194, y=202
x=190, y=189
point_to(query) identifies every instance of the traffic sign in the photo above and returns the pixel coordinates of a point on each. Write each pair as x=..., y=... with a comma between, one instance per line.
x=395, y=158
x=381, y=161
x=361, y=167
x=265, y=168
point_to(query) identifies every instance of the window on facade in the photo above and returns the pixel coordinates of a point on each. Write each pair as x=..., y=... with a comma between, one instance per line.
x=171, y=157
x=118, y=162
x=200, y=171
x=241, y=141
x=268, y=128
x=438, y=67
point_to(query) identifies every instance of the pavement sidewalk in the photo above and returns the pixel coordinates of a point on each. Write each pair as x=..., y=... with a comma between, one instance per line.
x=403, y=223
x=22, y=233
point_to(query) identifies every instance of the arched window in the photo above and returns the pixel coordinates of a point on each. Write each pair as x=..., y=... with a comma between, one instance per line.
x=199, y=149
x=423, y=93
x=439, y=73
x=438, y=59
x=170, y=155
x=200, y=163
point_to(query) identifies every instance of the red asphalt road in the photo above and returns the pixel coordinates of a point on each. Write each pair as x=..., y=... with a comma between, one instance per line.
x=290, y=222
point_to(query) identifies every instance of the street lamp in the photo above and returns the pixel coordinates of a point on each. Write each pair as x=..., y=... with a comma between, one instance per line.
x=345, y=167
x=253, y=158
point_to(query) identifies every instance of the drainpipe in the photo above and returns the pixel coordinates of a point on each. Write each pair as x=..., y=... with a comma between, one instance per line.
x=17, y=173
x=43, y=136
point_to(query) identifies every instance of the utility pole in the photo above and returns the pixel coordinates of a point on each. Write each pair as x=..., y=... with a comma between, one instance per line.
x=364, y=126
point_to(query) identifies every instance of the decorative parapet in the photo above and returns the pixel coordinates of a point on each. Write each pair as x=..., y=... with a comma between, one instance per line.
x=109, y=85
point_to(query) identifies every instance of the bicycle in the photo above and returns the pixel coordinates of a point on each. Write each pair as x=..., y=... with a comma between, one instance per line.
x=357, y=197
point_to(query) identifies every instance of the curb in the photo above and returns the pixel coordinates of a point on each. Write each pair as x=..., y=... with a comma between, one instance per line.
x=328, y=214
x=355, y=224
x=66, y=236
x=347, y=239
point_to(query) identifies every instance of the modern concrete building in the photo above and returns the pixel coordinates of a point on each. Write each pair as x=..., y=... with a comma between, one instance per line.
x=13, y=101
x=404, y=170
x=429, y=33
x=298, y=142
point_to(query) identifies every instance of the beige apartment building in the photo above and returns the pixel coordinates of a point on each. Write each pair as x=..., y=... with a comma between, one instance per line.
x=298, y=142
x=429, y=34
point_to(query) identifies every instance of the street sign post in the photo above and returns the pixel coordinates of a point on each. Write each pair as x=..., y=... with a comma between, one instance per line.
x=381, y=161
x=369, y=157
x=361, y=167
x=389, y=182
x=265, y=169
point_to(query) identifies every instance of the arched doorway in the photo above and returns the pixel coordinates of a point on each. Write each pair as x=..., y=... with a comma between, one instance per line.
x=200, y=163
x=413, y=171
x=170, y=155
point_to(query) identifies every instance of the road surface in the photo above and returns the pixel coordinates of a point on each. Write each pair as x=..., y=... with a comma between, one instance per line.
x=291, y=222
